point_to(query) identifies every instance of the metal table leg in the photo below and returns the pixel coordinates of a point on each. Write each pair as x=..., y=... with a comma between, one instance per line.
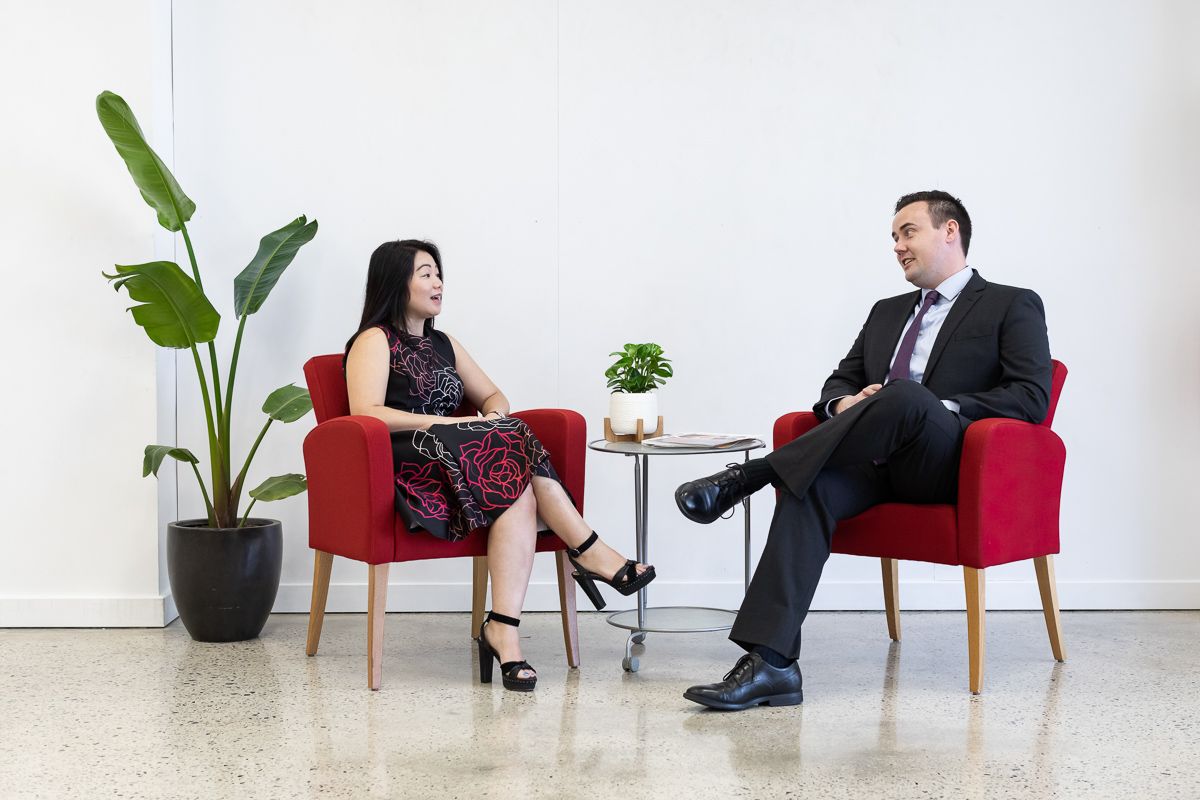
x=746, y=517
x=641, y=517
x=641, y=483
x=643, y=547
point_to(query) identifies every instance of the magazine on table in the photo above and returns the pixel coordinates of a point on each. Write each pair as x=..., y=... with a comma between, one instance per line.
x=714, y=441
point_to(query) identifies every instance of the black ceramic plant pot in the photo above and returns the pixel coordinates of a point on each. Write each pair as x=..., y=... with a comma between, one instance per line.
x=224, y=580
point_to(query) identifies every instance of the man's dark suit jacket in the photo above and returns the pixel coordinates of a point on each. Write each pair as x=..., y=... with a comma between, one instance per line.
x=991, y=355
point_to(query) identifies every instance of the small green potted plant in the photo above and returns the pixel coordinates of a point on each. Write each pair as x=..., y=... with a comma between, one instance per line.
x=639, y=370
x=224, y=567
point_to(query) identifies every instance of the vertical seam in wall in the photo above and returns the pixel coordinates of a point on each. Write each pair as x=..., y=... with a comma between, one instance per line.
x=558, y=395
x=175, y=258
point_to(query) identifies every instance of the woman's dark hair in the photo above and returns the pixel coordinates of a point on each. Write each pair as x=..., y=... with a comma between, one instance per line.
x=388, y=275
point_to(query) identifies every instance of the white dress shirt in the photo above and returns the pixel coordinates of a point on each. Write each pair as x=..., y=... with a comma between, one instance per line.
x=931, y=324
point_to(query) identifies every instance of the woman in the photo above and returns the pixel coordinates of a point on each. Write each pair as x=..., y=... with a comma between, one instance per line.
x=455, y=474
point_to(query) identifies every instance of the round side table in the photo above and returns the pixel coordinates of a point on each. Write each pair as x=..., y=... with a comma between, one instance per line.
x=667, y=619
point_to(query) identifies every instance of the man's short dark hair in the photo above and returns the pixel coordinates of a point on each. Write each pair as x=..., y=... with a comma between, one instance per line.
x=942, y=206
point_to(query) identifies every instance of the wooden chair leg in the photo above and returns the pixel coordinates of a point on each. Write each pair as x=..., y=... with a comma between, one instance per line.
x=479, y=587
x=891, y=596
x=322, y=564
x=377, y=583
x=566, y=601
x=973, y=580
x=1044, y=566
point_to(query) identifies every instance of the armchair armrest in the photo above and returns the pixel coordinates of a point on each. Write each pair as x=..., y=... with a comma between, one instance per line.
x=351, y=489
x=1009, y=488
x=792, y=426
x=564, y=434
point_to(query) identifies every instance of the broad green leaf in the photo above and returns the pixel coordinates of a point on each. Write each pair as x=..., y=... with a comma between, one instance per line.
x=174, y=312
x=279, y=487
x=158, y=186
x=275, y=252
x=155, y=453
x=287, y=403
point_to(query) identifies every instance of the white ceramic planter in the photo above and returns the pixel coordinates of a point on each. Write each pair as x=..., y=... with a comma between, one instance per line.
x=624, y=410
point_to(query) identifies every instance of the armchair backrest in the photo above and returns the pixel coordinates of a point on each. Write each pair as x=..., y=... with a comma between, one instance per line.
x=327, y=385
x=1058, y=376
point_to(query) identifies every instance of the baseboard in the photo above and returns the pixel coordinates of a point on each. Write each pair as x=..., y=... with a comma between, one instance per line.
x=148, y=611
x=831, y=596
x=155, y=611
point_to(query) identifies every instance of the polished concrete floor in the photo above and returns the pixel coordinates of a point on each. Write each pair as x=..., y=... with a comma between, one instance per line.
x=150, y=713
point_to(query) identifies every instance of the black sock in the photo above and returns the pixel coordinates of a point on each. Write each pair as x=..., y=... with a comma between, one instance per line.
x=772, y=657
x=758, y=473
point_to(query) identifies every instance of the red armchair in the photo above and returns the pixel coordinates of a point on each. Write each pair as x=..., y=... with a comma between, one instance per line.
x=351, y=507
x=1009, y=485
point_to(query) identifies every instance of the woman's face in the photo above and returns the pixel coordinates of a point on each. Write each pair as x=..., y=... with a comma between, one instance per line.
x=424, y=288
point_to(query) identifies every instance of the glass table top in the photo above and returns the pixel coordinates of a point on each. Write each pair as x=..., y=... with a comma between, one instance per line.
x=675, y=619
x=640, y=449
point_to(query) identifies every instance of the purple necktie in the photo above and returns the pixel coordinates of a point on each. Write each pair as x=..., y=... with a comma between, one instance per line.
x=909, y=342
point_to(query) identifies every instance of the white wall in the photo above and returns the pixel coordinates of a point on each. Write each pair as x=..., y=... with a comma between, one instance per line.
x=717, y=177
x=79, y=524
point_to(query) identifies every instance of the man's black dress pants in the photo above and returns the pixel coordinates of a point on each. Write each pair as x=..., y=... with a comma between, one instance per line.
x=899, y=445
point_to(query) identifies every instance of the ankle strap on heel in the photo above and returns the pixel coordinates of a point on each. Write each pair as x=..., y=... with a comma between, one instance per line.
x=576, y=552
x=493, y=616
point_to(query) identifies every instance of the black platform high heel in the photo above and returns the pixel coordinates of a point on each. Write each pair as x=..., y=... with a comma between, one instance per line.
x=626, y=581
x=510, y=671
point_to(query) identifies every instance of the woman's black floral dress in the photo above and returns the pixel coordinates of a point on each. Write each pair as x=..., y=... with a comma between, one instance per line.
x=451, y=479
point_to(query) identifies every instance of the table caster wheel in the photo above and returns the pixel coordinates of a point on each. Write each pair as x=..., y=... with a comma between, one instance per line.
x=630, y=663
x=638, y=638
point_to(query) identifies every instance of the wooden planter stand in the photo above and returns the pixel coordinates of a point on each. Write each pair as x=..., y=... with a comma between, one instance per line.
x=632, y=437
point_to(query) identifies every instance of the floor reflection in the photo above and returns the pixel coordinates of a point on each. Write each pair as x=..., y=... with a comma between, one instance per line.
x=135, y=713
x=888, y=699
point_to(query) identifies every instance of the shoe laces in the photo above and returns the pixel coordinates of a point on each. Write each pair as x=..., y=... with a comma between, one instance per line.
x=741, y=662
x=732, y=508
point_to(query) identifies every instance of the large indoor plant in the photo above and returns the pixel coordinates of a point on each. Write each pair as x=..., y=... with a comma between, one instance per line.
x=639, y=370
x=224, y=568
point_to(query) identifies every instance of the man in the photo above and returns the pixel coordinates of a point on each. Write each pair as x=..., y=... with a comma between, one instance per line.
x=925, y=365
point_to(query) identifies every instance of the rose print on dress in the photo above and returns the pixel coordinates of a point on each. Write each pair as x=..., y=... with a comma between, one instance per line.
x=432, y=385
x=496, y=467
x=452, y=479
x=424, y=486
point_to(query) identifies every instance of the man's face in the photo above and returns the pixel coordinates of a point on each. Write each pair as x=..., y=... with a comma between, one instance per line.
x=923, y=250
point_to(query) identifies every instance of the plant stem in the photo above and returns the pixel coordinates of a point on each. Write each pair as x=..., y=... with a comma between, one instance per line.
x=233, y=362
x=242, y=524
x=208, y=507
x=236, y=490
x=222, y=427
x=187, y=240
x=219, y=477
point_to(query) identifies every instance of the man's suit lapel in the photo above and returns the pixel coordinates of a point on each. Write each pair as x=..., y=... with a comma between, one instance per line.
x=890, y=328
x=962, y=306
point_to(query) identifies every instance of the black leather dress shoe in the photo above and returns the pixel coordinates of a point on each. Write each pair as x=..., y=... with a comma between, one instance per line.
x=706, y=499
x=751, y=682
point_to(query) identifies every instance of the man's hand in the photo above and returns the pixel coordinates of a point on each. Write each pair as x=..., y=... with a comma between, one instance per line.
x=846, y=402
